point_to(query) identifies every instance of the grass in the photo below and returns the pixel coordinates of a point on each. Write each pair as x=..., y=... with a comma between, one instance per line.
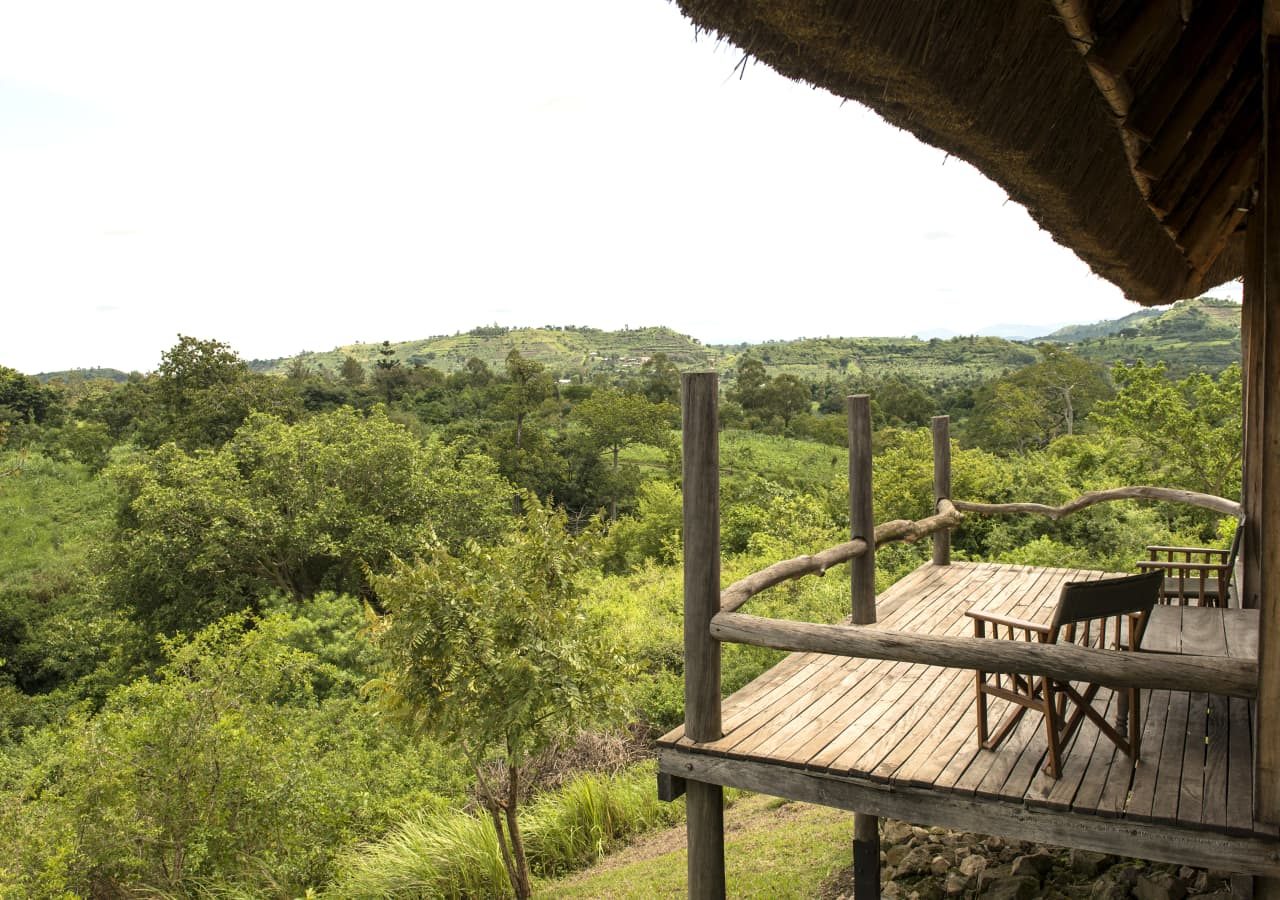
x=772, y=849
x=455, y=854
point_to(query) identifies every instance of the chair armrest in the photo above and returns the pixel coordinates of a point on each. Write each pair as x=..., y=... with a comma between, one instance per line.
x=1207, y=551
x=982, y=615
x=1148, y=565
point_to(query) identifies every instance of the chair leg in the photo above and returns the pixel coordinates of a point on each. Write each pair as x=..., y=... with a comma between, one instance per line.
x=982, y=710
x=1135, y=723
x=1054, y=767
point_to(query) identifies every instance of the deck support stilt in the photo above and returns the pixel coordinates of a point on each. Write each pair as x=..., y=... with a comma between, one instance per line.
x=866, y=829
x=701, y=488
x=1267, y=778
x=941, y=427
x=866, y=857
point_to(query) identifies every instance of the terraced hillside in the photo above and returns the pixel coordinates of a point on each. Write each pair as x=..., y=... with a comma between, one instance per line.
x=565, y=351
x=1190, y=335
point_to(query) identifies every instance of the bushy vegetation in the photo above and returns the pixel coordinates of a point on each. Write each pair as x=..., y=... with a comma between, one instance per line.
x=330, y=630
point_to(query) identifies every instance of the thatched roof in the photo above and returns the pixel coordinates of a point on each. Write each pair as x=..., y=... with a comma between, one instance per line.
x=1062, y=103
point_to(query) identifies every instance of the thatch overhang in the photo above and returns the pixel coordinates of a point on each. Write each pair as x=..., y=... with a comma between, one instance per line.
x=1129, y=129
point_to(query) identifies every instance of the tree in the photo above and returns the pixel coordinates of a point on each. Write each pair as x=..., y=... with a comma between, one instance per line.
x=528, y=385
x=202, y=391
x=352, y=372
x=785, y=397
x=1188, y=432
x=292, y=509
x=748, y=388
x=24, y=399
x=389, y=376
x=1037, y=403
x=660, y=379
x=613, y=421
x=495, y=652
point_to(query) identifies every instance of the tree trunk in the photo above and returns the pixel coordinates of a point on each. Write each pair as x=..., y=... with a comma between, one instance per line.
x=491, y=804
x=1070, y=411
x=524, y=890
x=613, y=501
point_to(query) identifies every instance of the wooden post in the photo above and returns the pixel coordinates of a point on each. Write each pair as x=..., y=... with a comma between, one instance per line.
x=866, y=857
x=701, y=449
x=1252, y=346
x=862, y=569
x=941, y=485
x=862, y=574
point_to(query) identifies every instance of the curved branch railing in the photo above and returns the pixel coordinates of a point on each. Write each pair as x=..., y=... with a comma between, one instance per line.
x=1064, y=662
x=1137, y=492
x=735, y=595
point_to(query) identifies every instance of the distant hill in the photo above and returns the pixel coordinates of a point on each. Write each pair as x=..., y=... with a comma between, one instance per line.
x=564, y=351
x=1191, y=335
x=935, y=361
x=1072, y=333
x=85, y=375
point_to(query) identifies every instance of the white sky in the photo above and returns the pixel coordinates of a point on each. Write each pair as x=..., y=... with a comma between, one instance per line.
x=290, y=176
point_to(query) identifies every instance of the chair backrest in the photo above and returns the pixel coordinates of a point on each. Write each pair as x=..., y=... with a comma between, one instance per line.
x=1232, y=554
x=1084, y=601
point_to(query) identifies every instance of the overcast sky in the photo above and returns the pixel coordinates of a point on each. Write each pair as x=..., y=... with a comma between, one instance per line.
x=297, y=176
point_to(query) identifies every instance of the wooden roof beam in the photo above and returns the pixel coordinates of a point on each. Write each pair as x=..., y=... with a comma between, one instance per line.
x=1153, y=106
x=1115, y=50
x=1229, y=57
x=1211, y=223
x=1244, y=129
x=1271, y=18
x=1243, y=90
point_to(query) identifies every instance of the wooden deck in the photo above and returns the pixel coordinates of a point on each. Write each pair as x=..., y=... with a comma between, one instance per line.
x=895, y=737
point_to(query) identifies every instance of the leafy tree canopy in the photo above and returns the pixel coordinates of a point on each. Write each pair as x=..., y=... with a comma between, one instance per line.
x=289, y=507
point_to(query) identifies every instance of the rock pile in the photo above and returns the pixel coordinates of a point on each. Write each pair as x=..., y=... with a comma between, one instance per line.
x=935, y=864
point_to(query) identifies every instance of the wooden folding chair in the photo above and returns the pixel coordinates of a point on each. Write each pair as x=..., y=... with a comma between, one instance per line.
x=1199, y=575
x=1107, y=614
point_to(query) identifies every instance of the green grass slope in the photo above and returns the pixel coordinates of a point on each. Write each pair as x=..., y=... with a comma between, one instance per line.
x=773, y=849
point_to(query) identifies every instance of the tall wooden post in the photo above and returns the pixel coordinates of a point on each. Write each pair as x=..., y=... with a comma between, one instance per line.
x=1252, y=346
x=701, y=448
x=866, y=829
x=941, y=426
x=862, y=524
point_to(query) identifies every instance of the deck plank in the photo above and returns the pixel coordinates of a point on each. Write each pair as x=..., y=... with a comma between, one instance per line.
x=1191, y=784
x=1242, y=633
x=1164, y=806
x=1163, y=627
x=1203, y=633
x=1143, y=791
x=1239, y=817
x=1213, y=814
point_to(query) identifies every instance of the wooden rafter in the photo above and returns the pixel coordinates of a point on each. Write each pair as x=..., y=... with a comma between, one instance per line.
x=1240, y=102
x=1203, y=94
x=1194, y=49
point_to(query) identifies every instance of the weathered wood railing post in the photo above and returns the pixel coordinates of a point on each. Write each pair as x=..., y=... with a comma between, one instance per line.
x=862, y=574
x=941, y=485
x=862, y=569
x=701, y=482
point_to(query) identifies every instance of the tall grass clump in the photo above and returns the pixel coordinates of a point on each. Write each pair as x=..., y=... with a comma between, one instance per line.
x=456, y=854
x=449, y=855
x=591, y=815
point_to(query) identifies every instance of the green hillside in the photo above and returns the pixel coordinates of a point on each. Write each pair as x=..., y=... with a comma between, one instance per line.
x=568, y=350
x=930, y=362
x=1191, y=335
